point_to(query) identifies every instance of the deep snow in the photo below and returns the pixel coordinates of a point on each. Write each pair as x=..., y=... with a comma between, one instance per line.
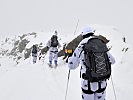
x=27, y=81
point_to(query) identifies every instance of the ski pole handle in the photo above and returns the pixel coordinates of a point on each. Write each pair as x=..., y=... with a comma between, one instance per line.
x=68, y=74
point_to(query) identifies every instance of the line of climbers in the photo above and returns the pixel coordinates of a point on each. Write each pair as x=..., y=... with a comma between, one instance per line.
x=52, y=46
x=93, y=56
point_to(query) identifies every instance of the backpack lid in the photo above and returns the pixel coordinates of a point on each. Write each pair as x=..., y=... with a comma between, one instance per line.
x=34, y=46
x=54, y=37
x=95, y=44
x=54, y=41
x=104, y=39
x=34, y=50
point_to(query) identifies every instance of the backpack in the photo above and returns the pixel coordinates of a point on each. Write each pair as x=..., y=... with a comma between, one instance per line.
x=54, y=41
x=34, y=49
x=98, y=66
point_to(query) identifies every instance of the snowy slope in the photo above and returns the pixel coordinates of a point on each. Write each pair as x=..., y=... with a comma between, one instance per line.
x=27, y=81
x=34, y=82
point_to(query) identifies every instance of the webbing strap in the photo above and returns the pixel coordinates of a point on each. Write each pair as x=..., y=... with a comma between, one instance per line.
x=89, y=91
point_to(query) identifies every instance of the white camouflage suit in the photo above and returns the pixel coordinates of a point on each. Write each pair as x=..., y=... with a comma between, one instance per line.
x=53, y=52
x=35, y=55
x=90, y=90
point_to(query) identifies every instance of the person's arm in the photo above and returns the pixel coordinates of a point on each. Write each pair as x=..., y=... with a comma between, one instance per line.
x=48, y=43
x=59, y=45
x=111, y=58
x=74, y=60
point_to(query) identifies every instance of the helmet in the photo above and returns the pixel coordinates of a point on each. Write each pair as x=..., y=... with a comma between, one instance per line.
x=87, y=30
x=55, y=33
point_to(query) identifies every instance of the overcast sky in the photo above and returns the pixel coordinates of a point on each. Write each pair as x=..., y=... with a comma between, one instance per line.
x=21, y=16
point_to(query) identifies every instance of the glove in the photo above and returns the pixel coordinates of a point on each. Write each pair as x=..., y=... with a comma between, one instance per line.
x=70, y=54
x=47, y=48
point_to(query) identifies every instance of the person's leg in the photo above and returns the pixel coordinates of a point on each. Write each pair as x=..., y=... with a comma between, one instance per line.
x=34, y=61
x=56, y=58
x=87, y=96
x=100, y=96
x=34, y=58
x=50, y=58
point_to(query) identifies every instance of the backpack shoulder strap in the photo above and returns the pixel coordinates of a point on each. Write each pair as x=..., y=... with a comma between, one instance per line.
x=82, y=49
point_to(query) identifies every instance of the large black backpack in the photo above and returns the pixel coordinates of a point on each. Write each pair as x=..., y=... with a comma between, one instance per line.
x=34, y=49
x=54, y=41
x=98, y=66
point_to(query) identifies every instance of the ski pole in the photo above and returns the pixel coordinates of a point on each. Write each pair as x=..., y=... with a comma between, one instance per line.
x=113, y=87
x=67, y=84
x=44, y=58
x=69, y=69
x=76, y=27
x=30, y=57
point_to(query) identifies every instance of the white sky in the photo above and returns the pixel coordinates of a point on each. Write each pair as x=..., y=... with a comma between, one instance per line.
x=22, y=16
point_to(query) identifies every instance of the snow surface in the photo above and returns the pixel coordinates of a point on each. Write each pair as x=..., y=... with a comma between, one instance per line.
x=27, y=81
